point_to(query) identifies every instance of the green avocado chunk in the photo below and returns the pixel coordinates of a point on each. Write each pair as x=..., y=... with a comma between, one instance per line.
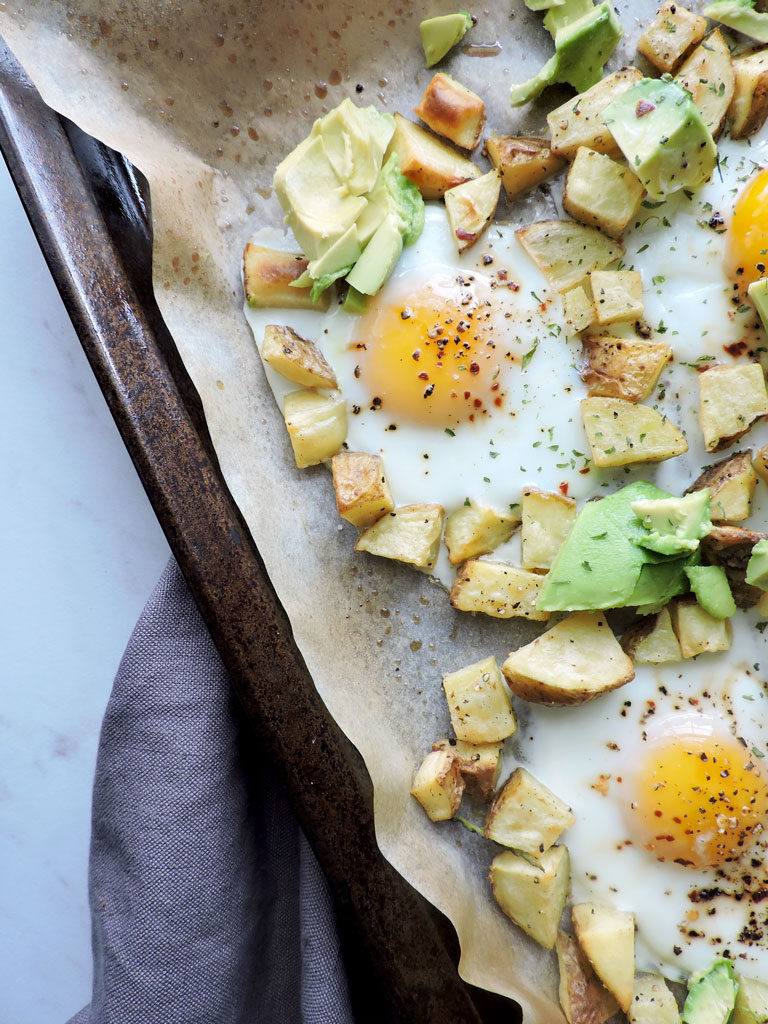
x=741, y=16
x=397, y=195
x=662, y=135
x=758, y=292
x=675, y=525
x=600, y=563
x=757, y=567
x=378, y=259
x=710, y=585
x=438, y=35
x=355, y=302
x=659, y=582
x=711, y=995
x=582, y=46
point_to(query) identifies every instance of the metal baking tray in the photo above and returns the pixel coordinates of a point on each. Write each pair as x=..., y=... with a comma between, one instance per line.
x=90, y=212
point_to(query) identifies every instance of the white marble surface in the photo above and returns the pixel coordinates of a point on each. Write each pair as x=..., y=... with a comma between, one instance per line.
x=81, y=551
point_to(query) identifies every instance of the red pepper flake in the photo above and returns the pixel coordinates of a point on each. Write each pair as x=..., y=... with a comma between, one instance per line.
x=423, y=375
x=474, y=367
x=563, y=488
x=736, y=348
x=643, y=107
x=466, y=236
x=467, y=394
x=477, y=403
x=498, y=401
x=416, y=355
x=584, y=471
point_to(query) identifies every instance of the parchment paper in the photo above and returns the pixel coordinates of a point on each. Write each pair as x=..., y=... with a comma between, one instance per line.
x=205, y=98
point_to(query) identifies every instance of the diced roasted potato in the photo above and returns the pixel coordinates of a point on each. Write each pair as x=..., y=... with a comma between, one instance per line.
x=652, y=641
x=751, y=1002
x=438, y=785
x=653, y=1003
x=601, y=192
x=749, y=106
x=317, y=425
x=478, y=703
x=409, y=534
x=479, y=764
x=620, y=433
x=708, y=76
x=566, y=252
x=607, y=936
x=533, y=894
x=498, y=589
x=547, y=520
x=470, y=208
x=474, y=530
x=671, y=36
x=526, y=815
x=582, y=996
x=579, y=309
x=524, y=162
x=625, y=368
x=573, y=662
x=731, y=483
x=731, y=548
x=429, y=163
x=452, y=110
x=578, y=122
x=760, y=463
x=296, y=358
x=697, y=631
x=617, y=295
x=268, y=275
x=731, y=398
x=362, y=491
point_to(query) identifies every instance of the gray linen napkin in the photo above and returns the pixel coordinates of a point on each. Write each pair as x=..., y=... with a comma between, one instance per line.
x=207, y=903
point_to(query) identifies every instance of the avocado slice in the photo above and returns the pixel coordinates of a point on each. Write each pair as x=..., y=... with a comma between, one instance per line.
x=662, y=135
x=757, y=567
x=399, y=196
x=710, y=585
x=439, y=35
x=355, y=302
x=675, y=525
x=741, y=16
x=711, y=995
x=582, y=46
x=354, y=140
x=378, y=259
x=659, y=582
x=600, y=563
x=758, y=292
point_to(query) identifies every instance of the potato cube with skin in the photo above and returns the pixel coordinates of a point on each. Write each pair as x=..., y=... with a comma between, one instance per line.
x=452, y=110
x=731, y=399
x=533, y=894
x=731, y=484
x=547, y=521
x=573, y=662
x=620, y=433
x=527, y=816
x=479, y=764
x=498, y=589
x=602, y=192
x=566, y=252
x=652, y=640
x=480, y=708
x=317, y=425
x=362, y=491
x=708, y=76
x=438, y=785
x=523, y=161
x=653, y=1002
x=627, y=368
x=269, y=274
x=473, y=530
x=749, y=105
x=470, y=208
x=617, y=295
x=409, y=534
x=579, y=309
x=297, y=359
x=607, y=936
x=697, y=631
x=429, y=163
x=578, y=122
x=760, y=463
x=671, y=35
x=582, y=996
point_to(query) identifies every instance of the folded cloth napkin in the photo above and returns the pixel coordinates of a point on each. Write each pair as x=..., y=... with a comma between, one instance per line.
x=207, y=903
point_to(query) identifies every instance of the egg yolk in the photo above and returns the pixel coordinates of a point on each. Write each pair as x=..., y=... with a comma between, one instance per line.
x=430, y=357
x=700, y=799
x=748, y=234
